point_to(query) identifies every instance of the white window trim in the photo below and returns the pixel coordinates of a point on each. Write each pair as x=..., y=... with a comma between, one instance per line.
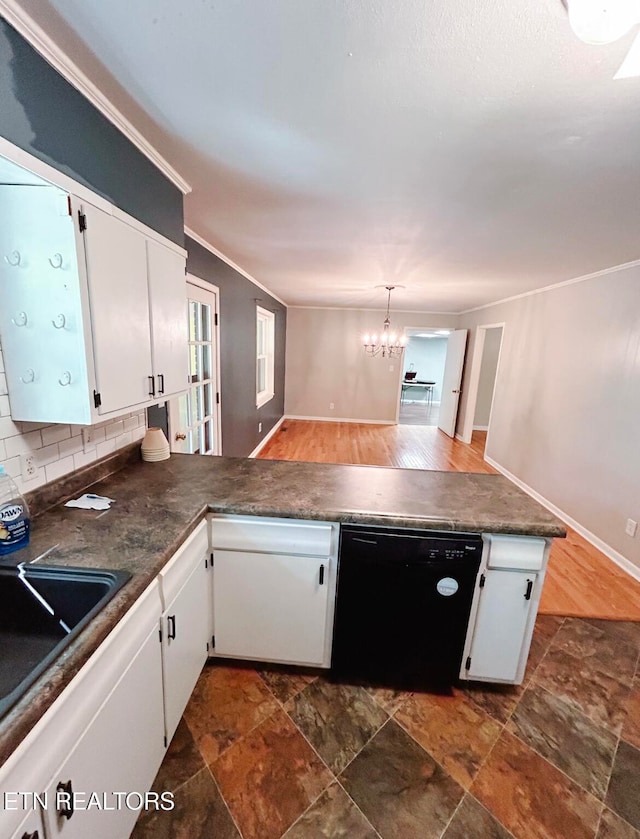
x=269, y=320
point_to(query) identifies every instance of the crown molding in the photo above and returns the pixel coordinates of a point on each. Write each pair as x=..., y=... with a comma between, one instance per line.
x=60, y=61
x=554, y=286
x=197, y=238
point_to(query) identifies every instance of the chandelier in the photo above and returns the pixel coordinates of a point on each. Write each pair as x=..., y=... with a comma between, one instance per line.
x=387, y=343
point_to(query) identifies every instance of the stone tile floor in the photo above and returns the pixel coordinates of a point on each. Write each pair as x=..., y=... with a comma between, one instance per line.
x=264, y=754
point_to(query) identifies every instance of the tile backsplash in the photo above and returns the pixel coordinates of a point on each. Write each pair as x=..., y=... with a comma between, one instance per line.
x=59, y=449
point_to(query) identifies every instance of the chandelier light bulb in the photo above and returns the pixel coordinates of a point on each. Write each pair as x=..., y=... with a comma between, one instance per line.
x=389, y=344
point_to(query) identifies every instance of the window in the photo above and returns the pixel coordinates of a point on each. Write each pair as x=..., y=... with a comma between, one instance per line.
x=265, y=339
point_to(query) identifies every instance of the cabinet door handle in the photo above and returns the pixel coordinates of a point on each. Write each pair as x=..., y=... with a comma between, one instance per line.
x=171, y=627
x=64, y=799
x=160, y=383
x=152, y=385
x=321, y=576
x=527, y=594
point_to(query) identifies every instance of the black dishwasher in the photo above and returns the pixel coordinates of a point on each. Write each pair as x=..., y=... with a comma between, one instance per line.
x=403, y=604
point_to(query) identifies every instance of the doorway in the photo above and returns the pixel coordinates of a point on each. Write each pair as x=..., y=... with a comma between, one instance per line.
x=482, y=382
x=194, y=417
x=421, y=386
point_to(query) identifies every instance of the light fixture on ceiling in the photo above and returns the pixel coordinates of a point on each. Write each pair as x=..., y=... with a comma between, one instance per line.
x=387, y=343
x=602, y=21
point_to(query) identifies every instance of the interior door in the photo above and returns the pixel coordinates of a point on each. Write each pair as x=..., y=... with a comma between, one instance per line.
x=194, y=417
x=451, y=380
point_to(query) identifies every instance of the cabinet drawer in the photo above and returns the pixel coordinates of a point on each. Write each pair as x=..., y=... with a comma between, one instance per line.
x=248, y=533
x=519, y=553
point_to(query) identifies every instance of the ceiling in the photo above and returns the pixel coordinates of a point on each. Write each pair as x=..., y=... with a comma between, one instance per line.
x=467, y=151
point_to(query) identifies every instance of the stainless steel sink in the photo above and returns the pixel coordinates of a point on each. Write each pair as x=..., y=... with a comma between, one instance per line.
x=42, y=609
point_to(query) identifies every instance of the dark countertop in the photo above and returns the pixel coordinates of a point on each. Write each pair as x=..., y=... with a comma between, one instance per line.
x=159, y=504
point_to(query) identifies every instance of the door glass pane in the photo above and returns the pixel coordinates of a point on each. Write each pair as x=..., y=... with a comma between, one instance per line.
x=196, y=363
x=205, y=334
x=194, y=441
x=193, y=406
x=211, y=426
x=208, y=440
x=208, y=400
x=203, y=448
x=194, y=320
x=206, y=361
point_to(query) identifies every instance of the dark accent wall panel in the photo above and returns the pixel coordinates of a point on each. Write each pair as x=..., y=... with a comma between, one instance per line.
x=238, y=300
x=45, y=115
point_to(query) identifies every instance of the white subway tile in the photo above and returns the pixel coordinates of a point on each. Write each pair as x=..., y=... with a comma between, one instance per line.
x=76, y=430
x=8, y=428
x=105, y=447
x=3, y=384
x=138, y=433
x=47, y=455
x=5, y=408
x=84, y=458
x=70, y=446
x=123, y=440
x=24, y=443
x=98, y=435
x=113, y=430
x=59, y=468
x=55, y=433
x=12, y=466
x=3, y=451
x=130, y=423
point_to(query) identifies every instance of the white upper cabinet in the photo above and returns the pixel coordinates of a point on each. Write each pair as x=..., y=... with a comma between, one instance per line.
x=116, y=258
x=93, y=316
x=168, y=305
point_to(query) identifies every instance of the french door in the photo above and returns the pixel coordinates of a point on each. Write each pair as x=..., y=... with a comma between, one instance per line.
x=194, y=417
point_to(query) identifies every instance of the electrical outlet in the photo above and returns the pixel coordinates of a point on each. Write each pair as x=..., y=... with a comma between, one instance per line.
x=28, y=466
x=259, y=428
x=87, y=439
x=631, y=527
x=331, y=406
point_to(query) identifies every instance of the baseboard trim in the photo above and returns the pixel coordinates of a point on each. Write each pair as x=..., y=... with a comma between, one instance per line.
x=267, y=437
x=341, y=419
x=611, y=553
x=480, y=427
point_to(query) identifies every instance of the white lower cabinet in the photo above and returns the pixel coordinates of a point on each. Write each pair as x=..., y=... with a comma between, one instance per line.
x=504, y=609
x=120, y=752
x=274, y=584
x=186, y=624
x=31, y=827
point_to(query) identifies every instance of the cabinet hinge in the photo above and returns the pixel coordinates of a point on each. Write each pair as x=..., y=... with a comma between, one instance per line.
x=82, y=221
x=483, y=579
x=217, y=398
x=213, y=642
x=467, y=664
x=97, y=399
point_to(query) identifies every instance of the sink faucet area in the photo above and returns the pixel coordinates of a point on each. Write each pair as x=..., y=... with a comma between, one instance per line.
x=42, y=609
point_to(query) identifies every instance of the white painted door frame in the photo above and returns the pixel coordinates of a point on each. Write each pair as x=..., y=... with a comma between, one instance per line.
x=474, y=378
x=452, y=381
x=212, y=298
x=407, y=330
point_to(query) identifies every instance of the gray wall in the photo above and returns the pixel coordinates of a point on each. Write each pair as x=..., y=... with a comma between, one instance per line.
x=238, y=300
x=486, y=383
x=567, y=402
x=326, y=363
x=43, y=114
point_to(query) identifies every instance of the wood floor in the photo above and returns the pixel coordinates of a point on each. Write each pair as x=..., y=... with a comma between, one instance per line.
x=581, y=581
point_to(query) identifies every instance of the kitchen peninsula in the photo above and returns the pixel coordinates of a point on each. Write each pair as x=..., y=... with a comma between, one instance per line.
x=159, y=505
